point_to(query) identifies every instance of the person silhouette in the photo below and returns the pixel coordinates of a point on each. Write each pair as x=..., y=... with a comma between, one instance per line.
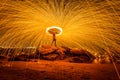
x=54, y=40
x=54, y=31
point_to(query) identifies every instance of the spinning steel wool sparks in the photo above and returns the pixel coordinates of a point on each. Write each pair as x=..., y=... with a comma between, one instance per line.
x=89, y=24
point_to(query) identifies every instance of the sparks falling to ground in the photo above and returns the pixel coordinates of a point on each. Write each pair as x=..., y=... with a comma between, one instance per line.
x=89, y=24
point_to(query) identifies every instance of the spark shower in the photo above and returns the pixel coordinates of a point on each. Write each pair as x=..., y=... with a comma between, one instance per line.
x=89, y=24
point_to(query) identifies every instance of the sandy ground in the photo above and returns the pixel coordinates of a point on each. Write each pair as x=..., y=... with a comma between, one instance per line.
x=56, y=70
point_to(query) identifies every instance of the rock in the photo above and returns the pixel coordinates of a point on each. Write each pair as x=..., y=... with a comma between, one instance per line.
x=67, y=50
x=80, y=59
x=61, y=52
x=76, y=51
x=50, y=57
x=45, y=50
x=49, y=52
x=81, y=55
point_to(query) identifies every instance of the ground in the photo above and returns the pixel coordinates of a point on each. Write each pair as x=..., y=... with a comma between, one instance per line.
x=56, y=70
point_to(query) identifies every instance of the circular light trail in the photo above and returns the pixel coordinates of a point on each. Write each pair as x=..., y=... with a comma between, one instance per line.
x=54, y=30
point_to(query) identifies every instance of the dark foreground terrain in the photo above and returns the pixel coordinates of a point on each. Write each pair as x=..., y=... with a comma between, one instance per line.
x=56, y=70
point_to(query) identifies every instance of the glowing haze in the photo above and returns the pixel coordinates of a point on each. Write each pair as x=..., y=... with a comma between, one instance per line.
x=90, y=24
